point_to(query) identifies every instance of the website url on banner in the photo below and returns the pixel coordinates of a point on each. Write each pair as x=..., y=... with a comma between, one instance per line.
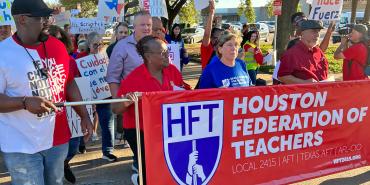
x=346, y=159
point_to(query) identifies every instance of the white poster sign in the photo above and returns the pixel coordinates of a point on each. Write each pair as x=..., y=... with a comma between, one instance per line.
x=6, y=17
x=111, y=11
x=174, y=55
x=74, y=121
x=157, y=8
x=95, y=68
x=86, y=25
x=62, y=18
x=201, y=4
x=75, y=12
x=326, y=10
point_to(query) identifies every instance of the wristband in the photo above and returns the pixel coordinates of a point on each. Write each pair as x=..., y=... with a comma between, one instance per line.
x=24, y=102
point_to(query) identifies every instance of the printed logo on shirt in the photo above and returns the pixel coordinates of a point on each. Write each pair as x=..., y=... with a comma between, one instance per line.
x=235, y=81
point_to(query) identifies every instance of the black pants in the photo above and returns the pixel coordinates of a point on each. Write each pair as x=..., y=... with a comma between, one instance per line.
x=130, y=136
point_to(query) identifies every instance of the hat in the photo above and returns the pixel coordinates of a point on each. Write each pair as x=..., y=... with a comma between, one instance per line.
x=35, y=8
x=361, y=29
x=310, y=24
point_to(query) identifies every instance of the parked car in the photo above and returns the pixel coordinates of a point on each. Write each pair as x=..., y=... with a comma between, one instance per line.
x=263, y=30
x=270, y=24
x=192, y=35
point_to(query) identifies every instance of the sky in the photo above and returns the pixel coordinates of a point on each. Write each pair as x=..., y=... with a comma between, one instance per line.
x=222, y=3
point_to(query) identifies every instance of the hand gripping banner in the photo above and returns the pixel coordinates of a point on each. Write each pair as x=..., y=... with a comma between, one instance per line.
x=256, y=135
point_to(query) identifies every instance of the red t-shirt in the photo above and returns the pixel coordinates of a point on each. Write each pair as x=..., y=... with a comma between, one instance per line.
x=59, y=76
x=357, y=53
x=140, y=80
x=205, y=54
x=303, y=63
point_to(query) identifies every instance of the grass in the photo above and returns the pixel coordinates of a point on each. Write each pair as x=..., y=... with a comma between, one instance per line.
x=335, y=66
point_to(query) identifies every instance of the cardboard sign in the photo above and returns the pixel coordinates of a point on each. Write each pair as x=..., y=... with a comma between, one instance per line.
x=326, y=10
x=157, y=8
x=174, y=55
x=74, y=121
x=95, y=68
x=6, y=17
x=62, y=18
x=111, y=10
x=200, y=4
x=256, y=135
x=87, y=25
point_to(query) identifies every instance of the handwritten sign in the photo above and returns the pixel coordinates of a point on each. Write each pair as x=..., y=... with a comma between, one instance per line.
x=95, y=68
x=326, y=10
x=6, y=17
x=174, y=55
x=111, y=11
x=87, y=25
x=157, y=8
x=74, y=121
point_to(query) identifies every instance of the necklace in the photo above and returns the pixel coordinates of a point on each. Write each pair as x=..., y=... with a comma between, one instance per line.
x=43, y=71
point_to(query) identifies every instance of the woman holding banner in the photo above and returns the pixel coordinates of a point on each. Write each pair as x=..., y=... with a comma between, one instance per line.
x=225, y=70
x=156, y=74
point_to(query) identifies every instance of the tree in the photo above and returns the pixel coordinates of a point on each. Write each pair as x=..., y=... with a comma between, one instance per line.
x=88, y=7
x=173, y=8
x=188, y=13
x=353, y=11
x=285, y=28
x=367, y=13
x=245, y=8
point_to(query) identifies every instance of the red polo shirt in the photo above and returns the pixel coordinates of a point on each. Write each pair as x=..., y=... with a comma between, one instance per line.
x=205, y=54
x=140, y=80
x=357, y=53
x=303, y=63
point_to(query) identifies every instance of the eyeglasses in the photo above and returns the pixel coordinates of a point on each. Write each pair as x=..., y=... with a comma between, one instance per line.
x=46, y=19
x=164, y=53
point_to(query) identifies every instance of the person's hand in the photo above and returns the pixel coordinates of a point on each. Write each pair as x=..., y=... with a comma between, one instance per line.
x=86, y=128
x=185, y=53
x=130, y=96
x=212, y=5
x=331, y=27
x=311, y=80
x=198, y=169
x=344, y=40
x=39, y=105
x=193, y=158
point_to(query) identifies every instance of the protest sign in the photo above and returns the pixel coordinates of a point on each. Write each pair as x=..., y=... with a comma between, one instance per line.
x=6, y=17
x=75, y=12
x=87, y=25
x=62, y=18
x=95, y=68
x=111, y=11
x=326, y=10
x=200, y=4
x=157, y=8
x=256, y=135
x=74, y=121
x=174, y=54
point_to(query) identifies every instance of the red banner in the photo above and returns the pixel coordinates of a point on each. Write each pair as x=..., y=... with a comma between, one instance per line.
x=256, y=135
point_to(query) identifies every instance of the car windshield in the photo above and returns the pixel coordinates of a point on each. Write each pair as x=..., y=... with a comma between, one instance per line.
x=271, y=23
x=189, y=30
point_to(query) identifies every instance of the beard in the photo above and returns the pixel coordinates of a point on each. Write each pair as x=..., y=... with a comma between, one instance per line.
x=44, y=34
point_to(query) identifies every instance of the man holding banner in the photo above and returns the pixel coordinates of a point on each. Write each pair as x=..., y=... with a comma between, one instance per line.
x=34, y=75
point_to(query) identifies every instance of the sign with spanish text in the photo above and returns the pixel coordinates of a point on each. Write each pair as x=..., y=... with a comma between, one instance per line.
x=256, y=135
x=95, y=68
x=326, y=10
x=111, y=10
x=157, y=8
x=87, y=25
x=174, y=55
x=74, y=121
x=6, y=17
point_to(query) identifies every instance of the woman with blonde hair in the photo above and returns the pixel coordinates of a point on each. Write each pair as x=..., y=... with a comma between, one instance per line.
x=225, y=70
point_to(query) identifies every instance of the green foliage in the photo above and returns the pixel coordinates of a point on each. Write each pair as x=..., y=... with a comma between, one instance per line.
x=270, y=9
x=188, y=14
x=89, y=8
x=245, y=8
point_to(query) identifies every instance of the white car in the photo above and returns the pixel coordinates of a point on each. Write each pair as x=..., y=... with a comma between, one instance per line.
x=192, y=35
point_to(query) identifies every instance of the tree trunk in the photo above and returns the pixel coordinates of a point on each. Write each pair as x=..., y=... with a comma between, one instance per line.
x=173, y=10
x=285, y=27
x=367, y=13
x=353, y=11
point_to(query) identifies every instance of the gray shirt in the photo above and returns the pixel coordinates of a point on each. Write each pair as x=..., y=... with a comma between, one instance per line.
x=123, y=60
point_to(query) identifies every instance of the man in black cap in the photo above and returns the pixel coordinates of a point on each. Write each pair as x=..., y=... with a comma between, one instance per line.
x=304, y=62
x=354, y=52
x=34, y=74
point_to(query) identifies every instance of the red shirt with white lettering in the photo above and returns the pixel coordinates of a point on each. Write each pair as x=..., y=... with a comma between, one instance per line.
x=140, y=80
x=354, y=62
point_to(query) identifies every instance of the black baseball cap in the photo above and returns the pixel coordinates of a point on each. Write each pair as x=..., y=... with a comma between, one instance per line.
x=34, y=8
